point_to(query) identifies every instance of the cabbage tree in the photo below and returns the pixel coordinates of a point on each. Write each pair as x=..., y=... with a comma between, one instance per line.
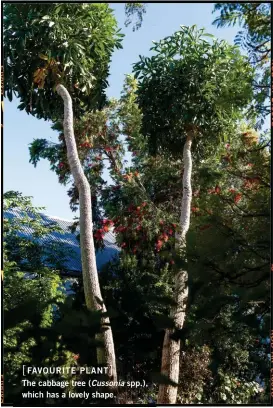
x=55, y=53
x=192, y=92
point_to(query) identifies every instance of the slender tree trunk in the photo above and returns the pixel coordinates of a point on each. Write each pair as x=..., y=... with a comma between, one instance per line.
x=93, y=298
x=171, y=349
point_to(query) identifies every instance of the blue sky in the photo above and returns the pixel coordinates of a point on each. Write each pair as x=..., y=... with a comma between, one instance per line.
x=20, y=129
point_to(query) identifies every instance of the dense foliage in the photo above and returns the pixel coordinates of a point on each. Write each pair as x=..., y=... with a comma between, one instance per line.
x=254, y=18
x=255, y=38
x=194, y=83
x=43, y=326
x=30, y=290
x=41, y=49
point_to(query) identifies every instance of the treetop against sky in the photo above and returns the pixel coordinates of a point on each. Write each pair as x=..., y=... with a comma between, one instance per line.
x=20, y=129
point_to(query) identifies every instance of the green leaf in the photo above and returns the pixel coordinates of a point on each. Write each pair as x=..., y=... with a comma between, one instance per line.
x=43, y=57
x=223, y=396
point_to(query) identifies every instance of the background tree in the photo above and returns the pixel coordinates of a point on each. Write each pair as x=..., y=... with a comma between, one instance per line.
x=31, y=293
x=230, y=205
x=255, y=38
x=134, y=10
x=43, y=324
x=254, y=18
x=188, y=93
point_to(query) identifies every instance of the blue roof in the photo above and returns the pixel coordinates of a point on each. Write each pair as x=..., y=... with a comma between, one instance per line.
x=68, y=239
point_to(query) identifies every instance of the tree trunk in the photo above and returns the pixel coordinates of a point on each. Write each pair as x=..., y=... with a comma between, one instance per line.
x=171, y=349
x=93, y=298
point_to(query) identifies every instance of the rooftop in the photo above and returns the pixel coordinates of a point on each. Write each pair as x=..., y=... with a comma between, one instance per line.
x=68, y=239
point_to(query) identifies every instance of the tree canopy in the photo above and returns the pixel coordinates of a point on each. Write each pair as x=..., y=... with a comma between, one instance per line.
x=43, y=45
x=255, y=38
x=193, y=82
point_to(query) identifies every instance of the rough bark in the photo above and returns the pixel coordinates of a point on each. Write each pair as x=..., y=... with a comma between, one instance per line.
x=171, y=349
x=93, y=297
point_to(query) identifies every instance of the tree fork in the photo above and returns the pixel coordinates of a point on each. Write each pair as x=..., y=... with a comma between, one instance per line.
x=93, y=297
x=171, y=348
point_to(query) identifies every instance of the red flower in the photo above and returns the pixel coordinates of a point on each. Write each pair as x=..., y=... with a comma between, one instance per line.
x=217, y=190
x=106, y=228
x=195, y=209
x=138, y=228
x=123, y=245
x=161, y=222
x=107, y=222
x=174, y=225
x=76, y=357
x=170, y=231
x=127, y=177
x=61, y=165
x=120, y=229
x=251, y=182
x=159, y=245
x=172, y=262
x=237, y=198
x=98, y=234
